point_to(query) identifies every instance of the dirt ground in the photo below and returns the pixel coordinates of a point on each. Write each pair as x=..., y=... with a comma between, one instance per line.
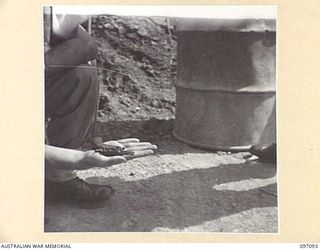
x=180, y=188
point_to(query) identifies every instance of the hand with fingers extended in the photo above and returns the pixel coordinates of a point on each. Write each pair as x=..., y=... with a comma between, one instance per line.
x=129, y=148
x=70, y=159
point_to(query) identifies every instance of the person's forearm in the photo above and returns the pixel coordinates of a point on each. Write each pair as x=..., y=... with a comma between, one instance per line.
x=64, y=26
x=62, y=158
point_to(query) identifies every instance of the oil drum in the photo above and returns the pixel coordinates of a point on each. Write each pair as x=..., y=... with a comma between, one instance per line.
x=226, y=83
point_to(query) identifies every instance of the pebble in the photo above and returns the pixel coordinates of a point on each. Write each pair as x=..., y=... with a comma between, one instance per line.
x=154, y=103
x=107, y=26
x=132, y=35
x=121, y=30
x=142, y=33
x=134, y=27
x=154, y=43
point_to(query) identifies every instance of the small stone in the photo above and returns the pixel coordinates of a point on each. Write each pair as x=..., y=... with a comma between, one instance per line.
x=107, y=26
x=150, y=72
x=121, y=30
x=147, y=108
x=134, y=27
x=154, y=103
x=132, y=36
x=160, y=105
x=142, y=33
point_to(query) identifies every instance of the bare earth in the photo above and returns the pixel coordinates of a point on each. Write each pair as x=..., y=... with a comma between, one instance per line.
x=179, y=189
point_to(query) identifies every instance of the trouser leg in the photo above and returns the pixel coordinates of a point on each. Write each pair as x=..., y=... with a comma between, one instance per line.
x=71, y=101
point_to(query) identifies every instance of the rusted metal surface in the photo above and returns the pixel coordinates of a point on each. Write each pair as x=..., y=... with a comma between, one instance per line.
x=226, y=88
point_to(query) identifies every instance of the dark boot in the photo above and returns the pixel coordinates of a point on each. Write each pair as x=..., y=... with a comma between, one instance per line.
x=266, y=152
x=77, y=190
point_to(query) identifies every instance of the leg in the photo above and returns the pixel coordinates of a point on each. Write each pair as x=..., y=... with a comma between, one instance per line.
x=71, y=103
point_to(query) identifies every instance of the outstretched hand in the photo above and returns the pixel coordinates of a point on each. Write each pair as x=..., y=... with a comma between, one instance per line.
x=129, y=148
x=63, y=158
x=70, y=159
x=93, y=159
x=137, y=148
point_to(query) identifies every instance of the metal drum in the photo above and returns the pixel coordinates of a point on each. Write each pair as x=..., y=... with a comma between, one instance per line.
x=226, y=87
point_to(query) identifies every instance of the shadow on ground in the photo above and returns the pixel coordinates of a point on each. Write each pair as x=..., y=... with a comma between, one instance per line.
x=175, y=200
x=169, y=192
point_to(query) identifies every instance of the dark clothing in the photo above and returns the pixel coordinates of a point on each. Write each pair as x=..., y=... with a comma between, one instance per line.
x=71, y=102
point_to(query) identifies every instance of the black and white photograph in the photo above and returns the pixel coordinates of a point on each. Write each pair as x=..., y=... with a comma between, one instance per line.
x=160, y=119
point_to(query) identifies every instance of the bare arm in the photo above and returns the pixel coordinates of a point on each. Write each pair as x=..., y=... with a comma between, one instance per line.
x=69, y=159
x=64, y=25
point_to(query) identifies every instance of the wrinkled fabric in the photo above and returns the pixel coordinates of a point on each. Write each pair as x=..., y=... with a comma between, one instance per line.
x=71, y=102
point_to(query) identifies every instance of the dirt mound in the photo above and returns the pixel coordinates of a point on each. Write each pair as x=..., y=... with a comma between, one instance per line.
x=136, y=67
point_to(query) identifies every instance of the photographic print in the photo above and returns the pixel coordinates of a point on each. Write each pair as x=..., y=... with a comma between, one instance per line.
x=160, y=119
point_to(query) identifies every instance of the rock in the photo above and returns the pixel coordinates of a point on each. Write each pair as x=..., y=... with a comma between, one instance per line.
x=147, y=108
x=134, y=27
x=154, y=43
x=132, y=36
x=154, y=103
x=111, y=88
x=142, y=33
x=121, y=30
x=126, y=101
x=150, y=72
x=108, y=26
x=102, y=18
